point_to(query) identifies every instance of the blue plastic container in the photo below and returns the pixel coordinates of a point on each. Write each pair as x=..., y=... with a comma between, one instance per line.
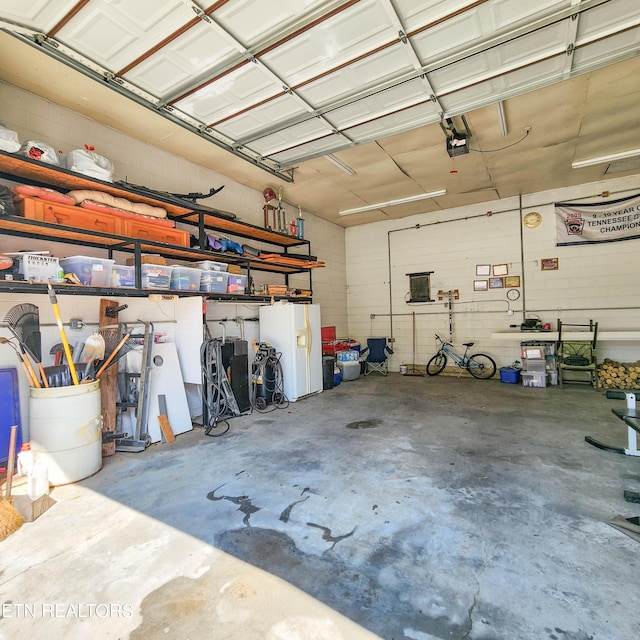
x=9, y=412
x=509, y=375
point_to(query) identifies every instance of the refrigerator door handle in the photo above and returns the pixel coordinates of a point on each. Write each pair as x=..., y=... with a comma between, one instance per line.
x=307, y=327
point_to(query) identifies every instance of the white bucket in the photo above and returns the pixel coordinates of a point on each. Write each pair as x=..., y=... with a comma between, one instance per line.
x=65, y=429
x=403, y=369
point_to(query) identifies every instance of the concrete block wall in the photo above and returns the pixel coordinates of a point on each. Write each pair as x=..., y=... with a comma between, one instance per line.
x=140, y=162
x=596, y=282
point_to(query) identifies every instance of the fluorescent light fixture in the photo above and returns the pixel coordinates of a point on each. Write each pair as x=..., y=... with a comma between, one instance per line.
x=502, y=118
x=391, y=203
x=623, y=155
x=341, y=165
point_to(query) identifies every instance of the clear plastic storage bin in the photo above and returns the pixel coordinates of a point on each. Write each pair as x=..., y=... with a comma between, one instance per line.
x=185, y=279
x=123, y=276
x=236, y=283
x=95, y=272
x=155, y=276
x=533, y=379
x=214, y=281
x=211, y=265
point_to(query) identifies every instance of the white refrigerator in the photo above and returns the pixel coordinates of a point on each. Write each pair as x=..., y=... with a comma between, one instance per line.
x=294, y=331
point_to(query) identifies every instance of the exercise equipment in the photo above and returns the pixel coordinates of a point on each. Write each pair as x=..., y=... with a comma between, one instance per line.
x=630, y=416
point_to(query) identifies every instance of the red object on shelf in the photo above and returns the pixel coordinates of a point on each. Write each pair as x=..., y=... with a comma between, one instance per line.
x=330, y=344
x=328, y=333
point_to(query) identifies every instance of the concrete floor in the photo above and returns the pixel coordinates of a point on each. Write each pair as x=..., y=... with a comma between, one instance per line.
x=456, y=508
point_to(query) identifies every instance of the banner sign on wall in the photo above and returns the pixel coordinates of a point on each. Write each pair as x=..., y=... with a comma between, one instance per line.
x=597, y=222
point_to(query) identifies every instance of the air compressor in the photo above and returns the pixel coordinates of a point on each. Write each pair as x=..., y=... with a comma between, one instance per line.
x=266, y=378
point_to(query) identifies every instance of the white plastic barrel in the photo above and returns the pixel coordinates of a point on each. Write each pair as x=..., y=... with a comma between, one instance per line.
x=65, y=429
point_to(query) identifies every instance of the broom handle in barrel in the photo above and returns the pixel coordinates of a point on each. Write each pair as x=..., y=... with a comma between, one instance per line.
x=107, y=362
x=29, y=354
x=13, y=435
x=27, y=371
x=43, y=375
x=63, y=336
x=32, y=372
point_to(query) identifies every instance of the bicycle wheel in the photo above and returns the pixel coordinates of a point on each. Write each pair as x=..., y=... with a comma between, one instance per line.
x=436, y=364
x=481, y=366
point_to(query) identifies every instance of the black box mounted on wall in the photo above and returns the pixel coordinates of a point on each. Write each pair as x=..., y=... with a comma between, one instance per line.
x=420, y=287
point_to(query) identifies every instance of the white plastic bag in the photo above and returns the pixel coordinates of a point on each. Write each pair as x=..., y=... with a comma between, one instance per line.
x=9, y=140
x=89, y=163
x=39, y=151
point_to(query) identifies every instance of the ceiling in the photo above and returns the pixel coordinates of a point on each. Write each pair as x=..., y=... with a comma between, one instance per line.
x=263, y=91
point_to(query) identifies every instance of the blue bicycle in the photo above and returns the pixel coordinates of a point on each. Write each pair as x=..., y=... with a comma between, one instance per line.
x=479, y=365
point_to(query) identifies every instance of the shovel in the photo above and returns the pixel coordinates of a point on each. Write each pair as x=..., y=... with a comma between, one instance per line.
x=58, y=375
x=93, y=350
x=57, y=351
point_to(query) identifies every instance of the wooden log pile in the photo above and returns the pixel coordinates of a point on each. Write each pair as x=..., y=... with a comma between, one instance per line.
x=618, y=375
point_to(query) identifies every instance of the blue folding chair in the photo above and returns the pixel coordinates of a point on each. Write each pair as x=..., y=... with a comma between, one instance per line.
x=376, y=356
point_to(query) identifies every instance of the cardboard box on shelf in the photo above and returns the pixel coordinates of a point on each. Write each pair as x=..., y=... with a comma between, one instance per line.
x=33, y=266
x=277, y=289
x=147, y=259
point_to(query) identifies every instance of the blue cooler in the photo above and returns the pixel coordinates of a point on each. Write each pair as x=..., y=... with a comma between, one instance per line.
x=509, y=375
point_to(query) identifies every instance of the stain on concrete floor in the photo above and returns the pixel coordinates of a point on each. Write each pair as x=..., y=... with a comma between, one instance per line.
x=477, y=513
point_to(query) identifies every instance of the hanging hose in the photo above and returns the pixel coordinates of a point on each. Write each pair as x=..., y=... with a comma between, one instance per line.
x=218, y=402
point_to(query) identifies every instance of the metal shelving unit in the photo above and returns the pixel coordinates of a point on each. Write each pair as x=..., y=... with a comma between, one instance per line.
x=26, y=170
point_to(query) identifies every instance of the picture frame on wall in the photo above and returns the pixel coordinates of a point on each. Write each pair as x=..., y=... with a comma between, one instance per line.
x=549, y=264
x=500, y=269
x=480, y=285
x=496, y=283
x=512, y=281
x=483, y=269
